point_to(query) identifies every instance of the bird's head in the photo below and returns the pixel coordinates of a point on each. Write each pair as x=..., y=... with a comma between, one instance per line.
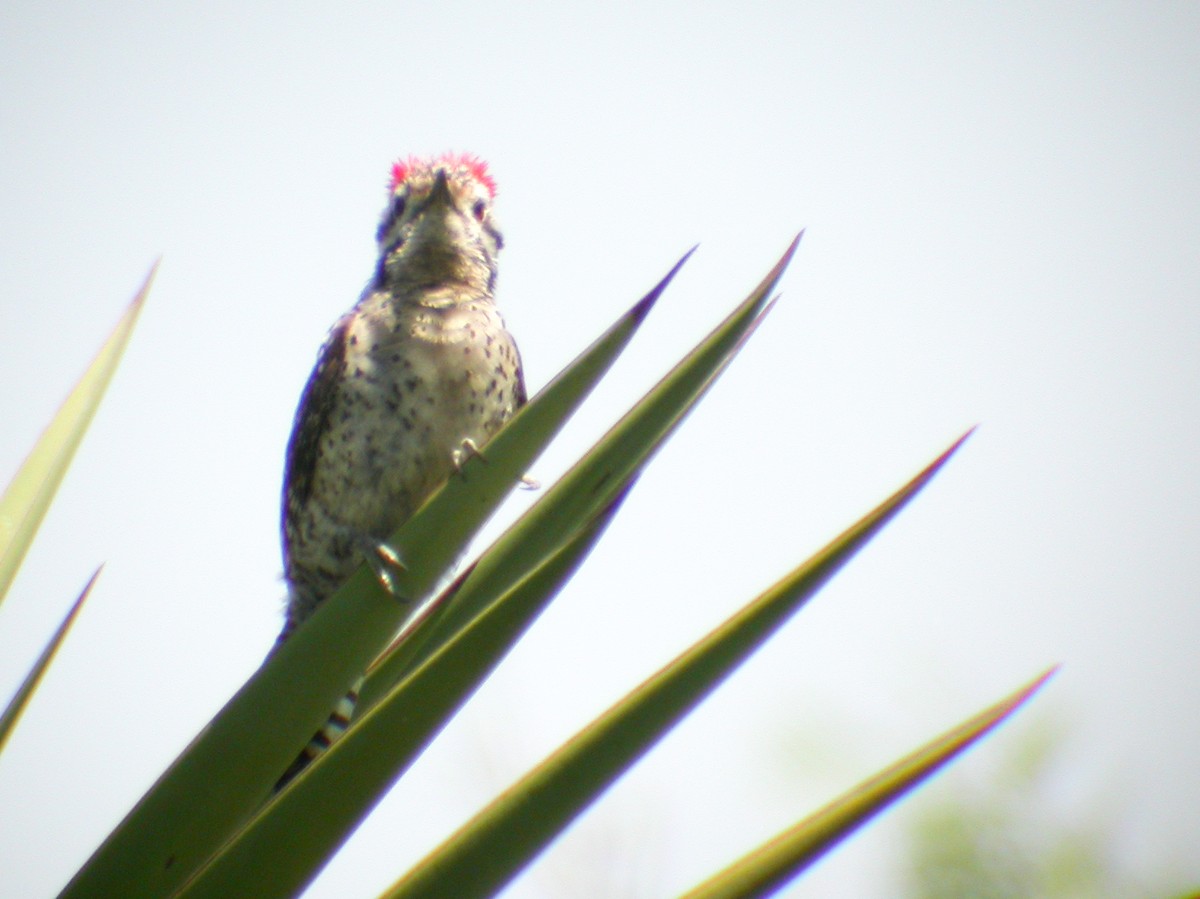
x=438, y=225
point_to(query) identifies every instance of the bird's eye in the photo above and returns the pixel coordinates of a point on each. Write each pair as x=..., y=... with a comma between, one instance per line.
x=398, y=206
x=480, y=209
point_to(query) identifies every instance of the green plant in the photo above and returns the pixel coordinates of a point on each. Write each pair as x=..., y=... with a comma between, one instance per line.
x=209, y=827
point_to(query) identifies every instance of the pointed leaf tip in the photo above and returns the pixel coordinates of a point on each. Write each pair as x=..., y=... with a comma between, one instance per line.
x=16, y=705
x=777, y=861
x=926, y=474
x=953, y=448
x=791, y=249
x=643, y=306
x=793, y=246
x=756, y=323
x=24, y=503
x=768, y=283
x=1019, y=698
x=144, y=291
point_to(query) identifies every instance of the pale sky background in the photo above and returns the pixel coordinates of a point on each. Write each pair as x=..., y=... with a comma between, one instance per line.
x=1003, y=214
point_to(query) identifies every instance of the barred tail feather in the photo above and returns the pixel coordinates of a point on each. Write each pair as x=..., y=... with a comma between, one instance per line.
x=334, y=727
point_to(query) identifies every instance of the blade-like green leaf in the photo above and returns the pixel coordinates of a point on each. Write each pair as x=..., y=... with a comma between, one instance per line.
x=587, y=487
x=12, y=713
x=345, y=798
x=489, y=850
x=28, y=497
x=483, y=583
x=272, y=857
x=205, y=796
x=773, y=864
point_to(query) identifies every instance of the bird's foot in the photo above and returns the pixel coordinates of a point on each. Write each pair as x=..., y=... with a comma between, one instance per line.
x=468, y=449
x=385, y=563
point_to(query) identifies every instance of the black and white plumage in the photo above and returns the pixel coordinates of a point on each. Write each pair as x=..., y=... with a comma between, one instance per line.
x=419, y=368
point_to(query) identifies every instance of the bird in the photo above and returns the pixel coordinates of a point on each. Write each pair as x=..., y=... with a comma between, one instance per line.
x=417, y=375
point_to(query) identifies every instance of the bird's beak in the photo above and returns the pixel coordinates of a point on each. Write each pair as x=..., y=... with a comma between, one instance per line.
x=440, y=193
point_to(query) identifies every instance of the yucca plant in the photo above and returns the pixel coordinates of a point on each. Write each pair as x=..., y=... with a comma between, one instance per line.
x=211, y=826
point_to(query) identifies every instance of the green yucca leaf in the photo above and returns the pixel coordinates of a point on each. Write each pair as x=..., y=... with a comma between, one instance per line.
x=497, y=843
x=272, y=857
x=28, y=497
x=228, y=770
x=16, y=705
x=491, y=599
x=589, y=485
x=772, y=864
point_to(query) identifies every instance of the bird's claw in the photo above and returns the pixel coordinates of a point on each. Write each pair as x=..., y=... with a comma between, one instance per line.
x=385, y=563
x=468, y=449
